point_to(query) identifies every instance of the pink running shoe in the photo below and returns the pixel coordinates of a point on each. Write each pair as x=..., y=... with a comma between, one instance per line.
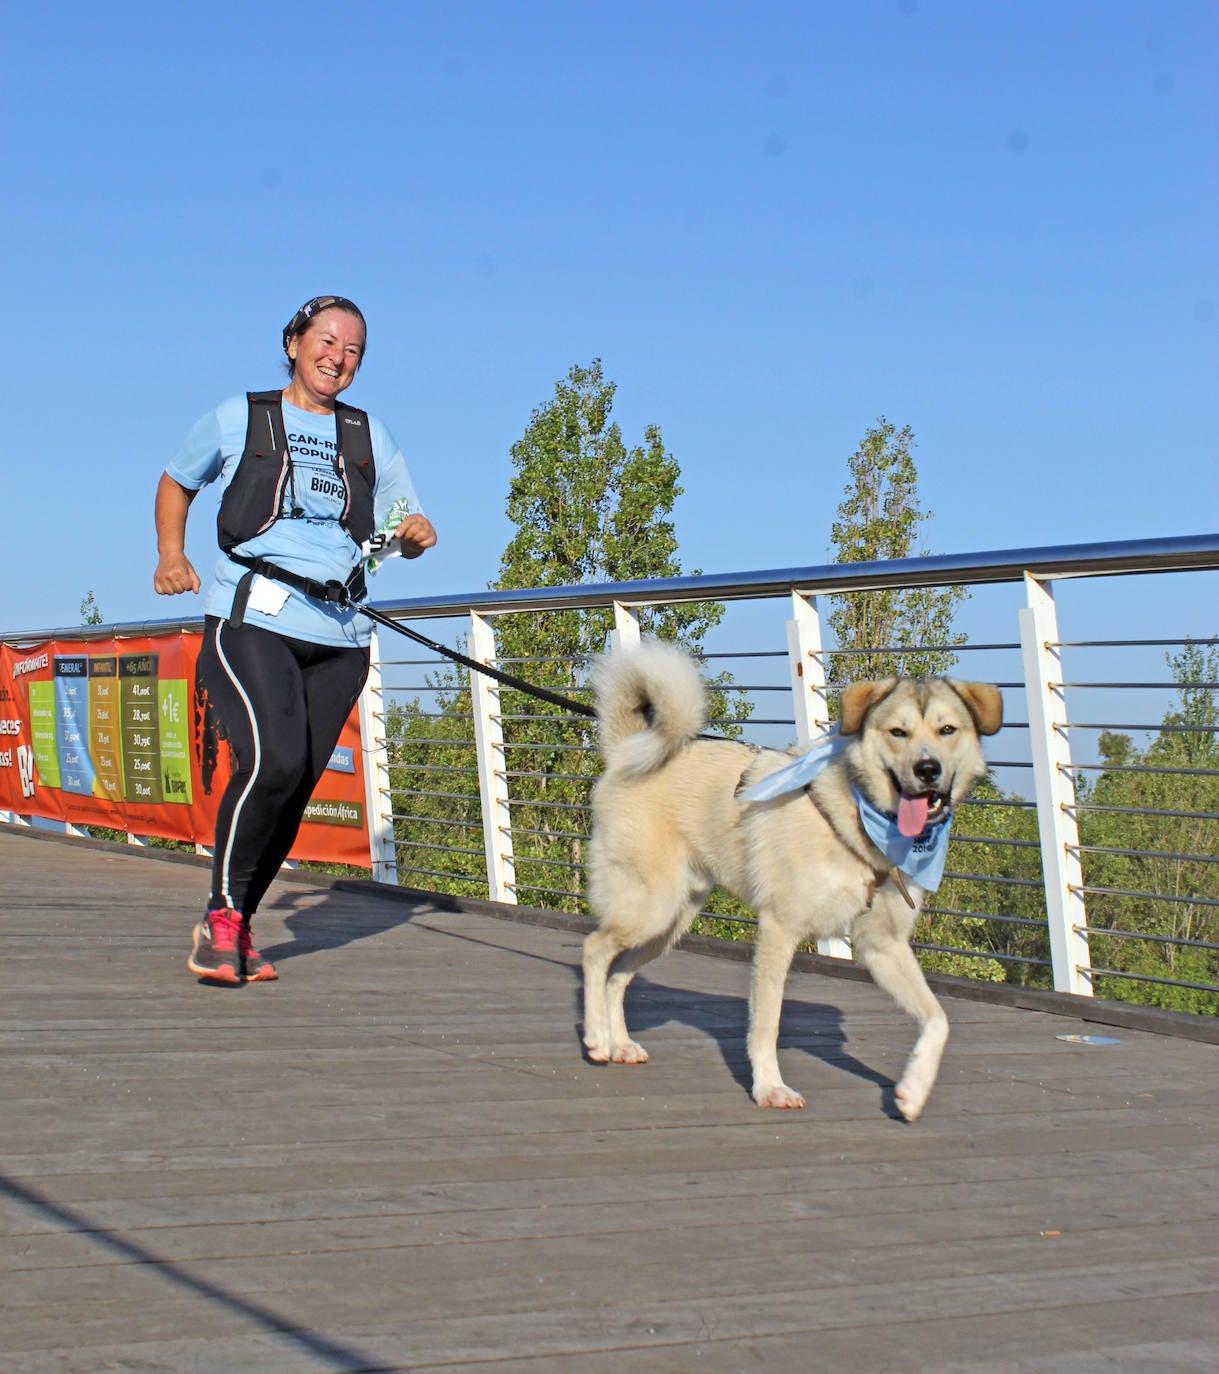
x=256, y=968
x=215, y=957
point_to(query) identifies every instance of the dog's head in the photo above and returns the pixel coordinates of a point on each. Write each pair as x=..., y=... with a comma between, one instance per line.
x=918, y=750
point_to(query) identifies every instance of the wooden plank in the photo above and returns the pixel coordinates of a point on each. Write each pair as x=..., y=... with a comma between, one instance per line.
x=397, y=1158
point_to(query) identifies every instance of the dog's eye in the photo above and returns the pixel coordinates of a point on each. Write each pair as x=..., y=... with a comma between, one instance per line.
x=897, y=732
x=948, y=729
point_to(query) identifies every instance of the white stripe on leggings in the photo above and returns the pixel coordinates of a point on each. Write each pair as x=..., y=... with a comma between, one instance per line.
x=228, y=848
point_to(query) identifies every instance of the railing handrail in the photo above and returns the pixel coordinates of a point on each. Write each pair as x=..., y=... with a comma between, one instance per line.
x=1180, y=553
x=1070, y=882
x=1184, y=553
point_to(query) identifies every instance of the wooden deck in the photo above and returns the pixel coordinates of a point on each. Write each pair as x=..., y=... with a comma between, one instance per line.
x=395, y=1158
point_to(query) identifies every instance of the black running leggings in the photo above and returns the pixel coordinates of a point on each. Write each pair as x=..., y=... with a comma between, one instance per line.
x=281, y=704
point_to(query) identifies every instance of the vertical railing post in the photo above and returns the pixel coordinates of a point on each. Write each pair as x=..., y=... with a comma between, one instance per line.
x=806, y=664
x=626, y=627
x=1055, y=784
x=378, y=803
x=806, y=667
x=492, y=766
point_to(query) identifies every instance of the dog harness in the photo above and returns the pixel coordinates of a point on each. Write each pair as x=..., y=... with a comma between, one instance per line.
x=263, y=491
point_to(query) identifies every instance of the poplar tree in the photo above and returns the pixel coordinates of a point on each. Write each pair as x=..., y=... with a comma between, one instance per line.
x=887, y=632
x=880, y=518
x=587, y=508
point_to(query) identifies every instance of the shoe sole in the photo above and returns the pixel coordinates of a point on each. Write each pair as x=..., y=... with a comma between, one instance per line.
x=224, y=974
x=264, y=975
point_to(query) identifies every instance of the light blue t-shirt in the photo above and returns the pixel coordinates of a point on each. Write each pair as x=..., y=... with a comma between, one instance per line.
x=314, y=545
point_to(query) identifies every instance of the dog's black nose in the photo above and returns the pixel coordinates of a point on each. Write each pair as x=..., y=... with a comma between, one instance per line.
x=927, y=771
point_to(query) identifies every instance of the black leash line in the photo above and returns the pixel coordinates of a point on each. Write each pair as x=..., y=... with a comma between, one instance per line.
x=346, y=594
x=507, y=679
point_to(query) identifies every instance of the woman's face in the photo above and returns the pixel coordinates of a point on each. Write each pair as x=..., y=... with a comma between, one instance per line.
x=327, y=356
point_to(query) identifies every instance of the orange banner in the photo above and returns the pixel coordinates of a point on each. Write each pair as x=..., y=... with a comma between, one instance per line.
x=112, y=733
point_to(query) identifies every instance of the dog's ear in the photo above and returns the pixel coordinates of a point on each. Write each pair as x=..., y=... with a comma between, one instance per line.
x=985, y=704
x=857, y=700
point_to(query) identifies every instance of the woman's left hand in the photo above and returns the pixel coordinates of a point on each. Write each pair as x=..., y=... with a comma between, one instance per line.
x=416, y=534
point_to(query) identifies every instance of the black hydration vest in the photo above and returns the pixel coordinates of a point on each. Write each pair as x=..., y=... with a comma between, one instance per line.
x=263, y=491
x=263, y=487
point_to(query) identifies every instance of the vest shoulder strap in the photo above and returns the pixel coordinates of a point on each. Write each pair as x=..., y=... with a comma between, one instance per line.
x=352, y=434
x=265, y=435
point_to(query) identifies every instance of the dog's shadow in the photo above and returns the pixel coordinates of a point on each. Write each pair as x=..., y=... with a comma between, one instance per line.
x=813, y=1027
x=816, y=1028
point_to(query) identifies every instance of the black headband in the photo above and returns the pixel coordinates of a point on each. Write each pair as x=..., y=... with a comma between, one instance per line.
x=307, y=311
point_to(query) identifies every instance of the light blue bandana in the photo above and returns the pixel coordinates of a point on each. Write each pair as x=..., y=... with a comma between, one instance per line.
x=920, y=858
x=798, y=774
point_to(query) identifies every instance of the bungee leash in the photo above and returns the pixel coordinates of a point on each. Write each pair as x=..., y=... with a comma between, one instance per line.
x=347, y=594
x=580, y=708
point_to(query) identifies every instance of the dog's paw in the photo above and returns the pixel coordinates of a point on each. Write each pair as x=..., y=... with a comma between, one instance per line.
x=597, y=1052
x=912, y=1092
x=922, y=1068
x=629, y=1053
x=777, y=1095
x=909, y=1103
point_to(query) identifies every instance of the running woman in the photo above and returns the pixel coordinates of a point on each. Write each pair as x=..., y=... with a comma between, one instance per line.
x=306, y=481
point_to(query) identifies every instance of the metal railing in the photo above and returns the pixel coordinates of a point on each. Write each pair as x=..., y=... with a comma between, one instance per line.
x=1087, y=861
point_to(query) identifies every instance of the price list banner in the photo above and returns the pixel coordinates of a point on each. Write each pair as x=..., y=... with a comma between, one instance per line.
x=114, y=734
x=105, y=747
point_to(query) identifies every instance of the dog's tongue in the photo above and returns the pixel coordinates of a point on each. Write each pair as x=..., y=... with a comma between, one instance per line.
x=912, y=816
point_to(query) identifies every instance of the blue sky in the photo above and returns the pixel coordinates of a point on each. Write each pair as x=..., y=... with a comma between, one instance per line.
x=774, y=222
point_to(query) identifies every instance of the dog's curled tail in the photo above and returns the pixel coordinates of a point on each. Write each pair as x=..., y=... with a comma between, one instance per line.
x=650, y=702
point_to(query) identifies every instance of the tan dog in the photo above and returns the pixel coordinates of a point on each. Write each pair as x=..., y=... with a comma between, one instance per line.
x=668, y=826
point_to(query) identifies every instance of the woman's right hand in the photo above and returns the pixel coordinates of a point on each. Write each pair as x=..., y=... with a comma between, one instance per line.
x=174, y=574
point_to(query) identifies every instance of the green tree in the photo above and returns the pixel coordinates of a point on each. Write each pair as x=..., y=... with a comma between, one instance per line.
x=587, y=508
x=878, y=518
x=1148, y=832
x=90, y=611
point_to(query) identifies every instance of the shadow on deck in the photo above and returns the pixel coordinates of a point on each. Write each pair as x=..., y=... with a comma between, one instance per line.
x=396, y=1158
